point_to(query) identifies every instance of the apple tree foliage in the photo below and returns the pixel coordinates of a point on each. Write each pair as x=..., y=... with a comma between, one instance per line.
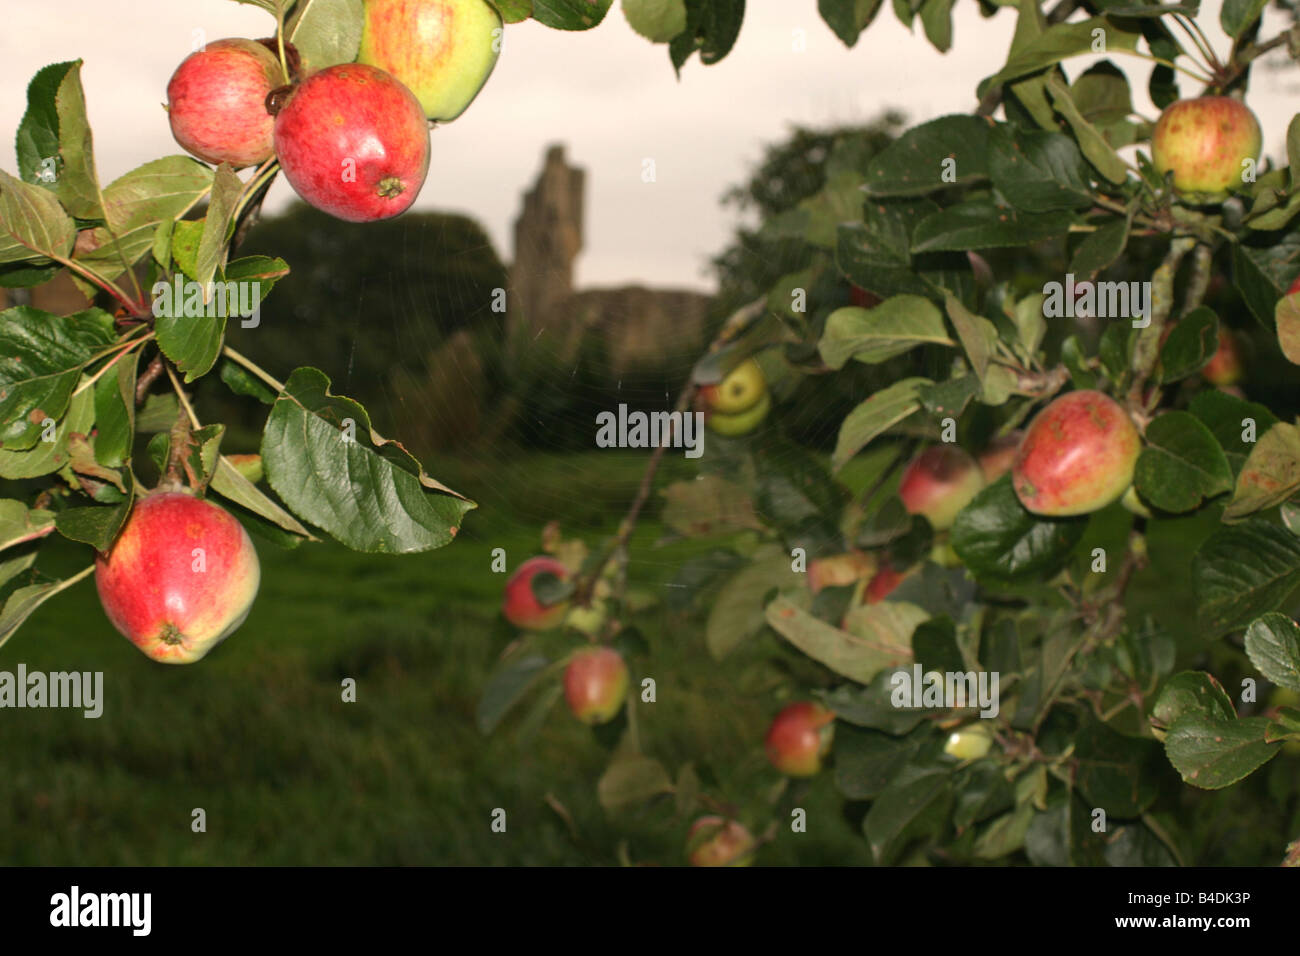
x=1139, y=655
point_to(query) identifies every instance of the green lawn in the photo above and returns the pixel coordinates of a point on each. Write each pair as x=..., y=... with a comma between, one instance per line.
x=257, y=735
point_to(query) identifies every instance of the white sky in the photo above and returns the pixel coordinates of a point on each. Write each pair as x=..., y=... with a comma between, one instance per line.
x=608, y=94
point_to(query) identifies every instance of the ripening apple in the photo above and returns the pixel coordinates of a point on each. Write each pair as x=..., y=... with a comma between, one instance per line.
x=180, y=577
x=799, y=738
x=521, y=606
x=443, y=50
x=970, y=742
x=216, y=102
x=717, y=841
x=995, y=460
x=741, y=423
x=1224, y=367
x=862, y=298
x=1205, y=142
x=1077, y=457
x=353, y=142
x=742, y=388
x=938, y=483
x=883, y=584
x=595, y=684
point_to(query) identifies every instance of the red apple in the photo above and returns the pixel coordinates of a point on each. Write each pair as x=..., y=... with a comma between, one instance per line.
x=443, y=50
x=595, y=684
x=1224, y=368
x=717, y=841
x=862, y=298
x=996, y=459
x=800, y=736
x=353, y=142
x=180, y=578
x=1077, y=456
x=216, y=102
x=883, y=584
x=938, y=483
x=521, y=607
x=1204, y=142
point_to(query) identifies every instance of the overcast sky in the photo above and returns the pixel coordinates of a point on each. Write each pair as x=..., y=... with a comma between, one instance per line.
x=608, y=94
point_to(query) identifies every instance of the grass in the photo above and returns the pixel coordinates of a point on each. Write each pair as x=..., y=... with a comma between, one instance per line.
x=258, y=737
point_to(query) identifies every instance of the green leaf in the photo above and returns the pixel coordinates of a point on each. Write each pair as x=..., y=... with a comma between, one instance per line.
x=1270, y=475
x=192, y=342
x=55, y=128
x=895, y=326
x=871, y=706
x=1214, y=754
x=327, y=32
x=1004, y=835
x=96, y=525
x=737, y=612
x=631, y=780
x=848, y=18
x=1059, y=42
x=1231, y=420
x=711, y=29
x=18, y=523
x=1094, y=145
x=983, y=224
x=656, y=20
x=158, y=191
x=37, y=142
x=708, y=505
x=866, y=762
x=1193, y=693
x=1236, y=15
x=1273, y=646
x=46, y=457
x=995, y=536
x=1181, y=465
x=1191, y=344
x=186, y=235
x=936, y=18
x=881, y=411
x=41, y=359
x=325, y=462
x=979, y=336
x=514, y=11
x=229, y=483
x=508, y=685
x=949, y=399
x=1038, y=171
x=1101, y=248
x=20, y=602
x=876, y=254
x=1102, y=94
x=1262, y=271
x=242, y=382
x=218, y=224
x=115, y=412
x=1115, y=771
x=570, y=14
x=916, y=804
x=1243, y=571
x=32, y=223
x=849, y=655
x=916, y=163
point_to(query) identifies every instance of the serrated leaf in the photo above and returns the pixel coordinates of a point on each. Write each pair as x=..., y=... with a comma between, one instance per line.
x=1100, y=248
x=848, y=18
x=1216, y=754
x=18, y=523
x=44, y=457
x=914, y=164
x=1191, y=344
x=994, y=535
x=1242, y=571
x=1273, y=646
x=32, y=223
x=21, y=602
x=1181, y=464
x=881, y=411
x=895, y=326
x=1192, y=693
x=983, y=224
x=509, y=684
x=327, y=32
x=324, y=460
x=570, y=14
x=1037, y=170
x=1270, y=475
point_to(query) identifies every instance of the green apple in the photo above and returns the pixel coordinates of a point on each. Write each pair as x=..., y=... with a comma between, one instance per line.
x=443, y=50
x=742, y=389
x=741, y=423
x=969, y=743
